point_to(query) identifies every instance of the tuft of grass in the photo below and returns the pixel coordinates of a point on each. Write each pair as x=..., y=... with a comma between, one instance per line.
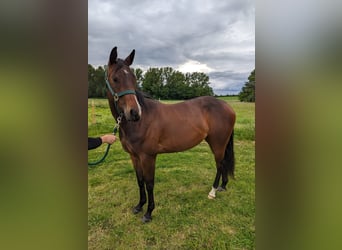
x=184, y=218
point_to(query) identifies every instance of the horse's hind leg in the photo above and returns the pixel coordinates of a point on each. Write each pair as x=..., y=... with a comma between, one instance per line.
x=224, y=174
x=217, y=145
x=212, y=193
x=224, y=180
x=222, y=171
x=228, y=163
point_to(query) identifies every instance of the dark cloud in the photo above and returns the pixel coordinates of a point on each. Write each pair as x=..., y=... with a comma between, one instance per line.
x=228, y=82
x=219, y=34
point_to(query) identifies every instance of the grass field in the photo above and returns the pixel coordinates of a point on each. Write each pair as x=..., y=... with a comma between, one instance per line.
x=184, y=218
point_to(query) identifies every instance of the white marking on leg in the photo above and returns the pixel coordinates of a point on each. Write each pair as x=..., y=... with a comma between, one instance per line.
x=212, y=193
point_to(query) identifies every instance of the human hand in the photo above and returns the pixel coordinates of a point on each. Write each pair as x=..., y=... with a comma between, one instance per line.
x=109, y=138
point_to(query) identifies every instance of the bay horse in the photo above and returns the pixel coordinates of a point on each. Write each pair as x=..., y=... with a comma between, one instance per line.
x=149, y=127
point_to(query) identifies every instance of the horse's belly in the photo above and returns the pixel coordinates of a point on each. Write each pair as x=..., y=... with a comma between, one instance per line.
x=178, y=144
x=181, y=137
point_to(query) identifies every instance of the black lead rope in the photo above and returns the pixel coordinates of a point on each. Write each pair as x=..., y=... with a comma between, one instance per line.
x=116, y=128
x=102, y=159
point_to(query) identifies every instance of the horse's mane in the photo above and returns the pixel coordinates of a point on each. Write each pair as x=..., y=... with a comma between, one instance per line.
x=141, y=97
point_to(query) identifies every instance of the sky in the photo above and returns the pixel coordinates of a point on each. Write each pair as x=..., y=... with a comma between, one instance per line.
x=211, y=36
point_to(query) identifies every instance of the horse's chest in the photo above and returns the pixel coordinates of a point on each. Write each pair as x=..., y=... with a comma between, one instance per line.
x=127, y=146
x=139, y=140
x=132, y=147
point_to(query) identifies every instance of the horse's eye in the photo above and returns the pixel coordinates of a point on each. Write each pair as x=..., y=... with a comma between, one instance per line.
x=115, y=79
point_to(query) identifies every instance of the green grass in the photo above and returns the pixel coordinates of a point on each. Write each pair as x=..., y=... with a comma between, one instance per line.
x=184, y=218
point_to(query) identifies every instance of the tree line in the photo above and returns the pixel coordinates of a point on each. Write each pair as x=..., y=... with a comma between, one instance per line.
x=160, y=83
x=167, y=83
x=247, y=93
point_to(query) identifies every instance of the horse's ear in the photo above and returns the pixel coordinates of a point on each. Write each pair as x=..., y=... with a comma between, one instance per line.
x=113, y=56
x=130, y=58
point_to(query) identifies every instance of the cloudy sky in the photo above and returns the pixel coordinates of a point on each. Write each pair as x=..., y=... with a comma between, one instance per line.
x=211, y=36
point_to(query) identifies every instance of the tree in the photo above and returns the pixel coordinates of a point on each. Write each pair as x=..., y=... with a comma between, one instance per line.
x=91, y=83
x=99, y=79
x=167, y=83
x=139, y=76
x=96, y=82
x=174, y=87
x=247, y=93
x=153, y=83
x=199, y=84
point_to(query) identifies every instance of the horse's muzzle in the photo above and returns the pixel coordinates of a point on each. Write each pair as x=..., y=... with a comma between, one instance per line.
x=133, y=115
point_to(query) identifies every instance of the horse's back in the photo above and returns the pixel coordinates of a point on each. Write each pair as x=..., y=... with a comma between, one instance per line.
x=215, y=109
x=201, y=111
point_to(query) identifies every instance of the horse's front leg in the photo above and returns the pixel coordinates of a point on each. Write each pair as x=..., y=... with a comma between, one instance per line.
x=148, y=174
x=141, y=184
x=149, y=187
x=139, y=207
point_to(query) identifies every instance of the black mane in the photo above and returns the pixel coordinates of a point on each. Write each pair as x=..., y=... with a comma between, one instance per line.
x=141, y=97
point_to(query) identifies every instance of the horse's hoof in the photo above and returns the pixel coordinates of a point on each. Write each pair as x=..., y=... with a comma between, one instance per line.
x=221, y=189
x=137, y=210
x=211, y=197
x=146, y=219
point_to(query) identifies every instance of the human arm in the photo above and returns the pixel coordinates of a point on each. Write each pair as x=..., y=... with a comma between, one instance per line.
x=94, y=142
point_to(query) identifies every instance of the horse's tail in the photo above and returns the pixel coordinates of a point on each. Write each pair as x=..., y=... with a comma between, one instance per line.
x=229, y=159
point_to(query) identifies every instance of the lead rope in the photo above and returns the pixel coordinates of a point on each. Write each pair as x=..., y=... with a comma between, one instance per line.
x=115, y=130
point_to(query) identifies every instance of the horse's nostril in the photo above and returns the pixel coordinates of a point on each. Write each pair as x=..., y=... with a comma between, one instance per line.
x=134, y=115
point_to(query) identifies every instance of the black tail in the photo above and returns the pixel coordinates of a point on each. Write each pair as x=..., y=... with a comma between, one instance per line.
x=229, y=159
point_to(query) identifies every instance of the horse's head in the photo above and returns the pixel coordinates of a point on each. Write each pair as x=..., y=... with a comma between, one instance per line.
x=121, y=83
